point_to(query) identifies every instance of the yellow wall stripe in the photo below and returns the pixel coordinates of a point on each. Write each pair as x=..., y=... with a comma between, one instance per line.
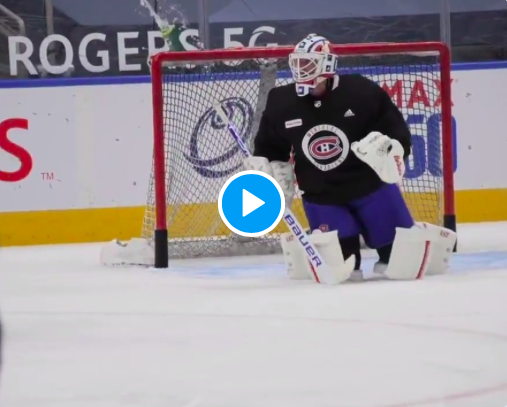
x=102, y=224
x=69, y=226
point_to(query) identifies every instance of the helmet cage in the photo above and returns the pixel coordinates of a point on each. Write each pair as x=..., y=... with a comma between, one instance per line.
x=311, y=68
x=307, y=66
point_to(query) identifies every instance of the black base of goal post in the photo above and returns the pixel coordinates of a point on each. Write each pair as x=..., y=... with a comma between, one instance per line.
x=450, y=223
x=161, y=249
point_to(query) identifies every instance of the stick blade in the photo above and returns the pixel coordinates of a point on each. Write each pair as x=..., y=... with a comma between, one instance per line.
x=336, y=275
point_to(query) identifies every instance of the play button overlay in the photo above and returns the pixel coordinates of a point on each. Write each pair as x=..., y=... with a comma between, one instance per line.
x=251, y=203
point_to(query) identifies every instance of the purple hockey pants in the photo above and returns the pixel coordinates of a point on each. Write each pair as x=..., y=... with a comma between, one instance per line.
x=375, y=216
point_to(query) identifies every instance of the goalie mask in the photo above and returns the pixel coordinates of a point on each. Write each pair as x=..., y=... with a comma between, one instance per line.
x=312, y=63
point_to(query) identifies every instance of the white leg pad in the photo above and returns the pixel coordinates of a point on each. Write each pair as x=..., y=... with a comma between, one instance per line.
x=298, y=266
x=411, y=254
x=329, y=247
x=443, y=247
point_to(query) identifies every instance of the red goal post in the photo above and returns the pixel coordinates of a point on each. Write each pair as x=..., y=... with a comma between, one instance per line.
x=184, y=87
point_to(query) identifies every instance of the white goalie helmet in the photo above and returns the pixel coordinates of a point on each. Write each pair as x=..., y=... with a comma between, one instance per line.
x=311, y=63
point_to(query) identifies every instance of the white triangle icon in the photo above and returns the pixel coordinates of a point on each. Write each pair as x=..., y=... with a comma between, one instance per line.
x=250, y=202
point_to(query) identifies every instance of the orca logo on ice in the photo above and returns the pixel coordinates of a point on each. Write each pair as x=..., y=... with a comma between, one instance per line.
x=326, y=146
x=212, y=154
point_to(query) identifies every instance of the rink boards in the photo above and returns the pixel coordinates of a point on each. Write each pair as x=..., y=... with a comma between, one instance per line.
x=84, y=172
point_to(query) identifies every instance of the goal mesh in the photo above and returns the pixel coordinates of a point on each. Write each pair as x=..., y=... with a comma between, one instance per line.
x=200, y=154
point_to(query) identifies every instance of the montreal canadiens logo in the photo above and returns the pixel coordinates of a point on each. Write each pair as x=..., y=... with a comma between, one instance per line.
x=326, y=146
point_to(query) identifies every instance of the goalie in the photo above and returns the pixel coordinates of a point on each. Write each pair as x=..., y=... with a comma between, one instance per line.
x=349, y=142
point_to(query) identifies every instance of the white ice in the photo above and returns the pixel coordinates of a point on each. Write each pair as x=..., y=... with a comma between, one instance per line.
x=236, y=333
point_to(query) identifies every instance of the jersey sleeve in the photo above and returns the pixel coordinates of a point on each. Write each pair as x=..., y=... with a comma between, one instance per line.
x=391, y=122
x=268, y=142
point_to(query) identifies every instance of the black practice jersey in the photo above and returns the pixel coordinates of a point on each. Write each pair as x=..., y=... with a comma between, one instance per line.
x=320, y=132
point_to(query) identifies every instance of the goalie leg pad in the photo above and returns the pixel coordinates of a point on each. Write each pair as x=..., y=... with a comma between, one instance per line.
x=296, y=262
x=329, y=247
x=410, y=255
x=422, y=249
x=444, y=241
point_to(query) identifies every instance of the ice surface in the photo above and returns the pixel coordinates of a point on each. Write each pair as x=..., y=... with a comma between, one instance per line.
x=236, y=333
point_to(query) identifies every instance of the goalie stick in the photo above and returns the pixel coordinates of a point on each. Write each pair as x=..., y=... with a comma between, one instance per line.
x=321, y=272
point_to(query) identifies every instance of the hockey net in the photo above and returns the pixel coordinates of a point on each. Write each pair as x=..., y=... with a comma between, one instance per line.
x=194, y=154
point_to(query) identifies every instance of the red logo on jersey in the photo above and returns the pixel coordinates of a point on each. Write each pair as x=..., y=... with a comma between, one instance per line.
x=325, y=147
